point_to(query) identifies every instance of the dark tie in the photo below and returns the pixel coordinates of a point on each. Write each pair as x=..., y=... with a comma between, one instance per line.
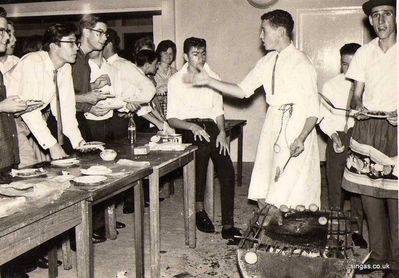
x=274, y=73
x=60, y=136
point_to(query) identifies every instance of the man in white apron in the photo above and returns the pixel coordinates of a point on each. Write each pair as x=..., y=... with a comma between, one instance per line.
x=289, y=80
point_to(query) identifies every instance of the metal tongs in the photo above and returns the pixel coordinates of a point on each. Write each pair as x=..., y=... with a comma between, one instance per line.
x=279, y=171
x=353, y=112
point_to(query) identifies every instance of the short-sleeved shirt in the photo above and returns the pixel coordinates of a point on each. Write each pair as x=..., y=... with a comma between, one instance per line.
x=379, y=72
x=187, y=102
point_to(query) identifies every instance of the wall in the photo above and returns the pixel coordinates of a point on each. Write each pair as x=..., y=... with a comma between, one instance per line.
x=231, y=28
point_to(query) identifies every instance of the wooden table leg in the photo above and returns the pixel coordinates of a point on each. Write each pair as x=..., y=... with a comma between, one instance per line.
x=84, y=243
x=66, y=252
x=110, y=221
x=239, y=157
x=139, y=229
x=154, y=224
x=189, y=203
x=52, y=260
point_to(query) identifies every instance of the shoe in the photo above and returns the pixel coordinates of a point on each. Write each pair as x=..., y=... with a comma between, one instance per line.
x=98, y=238
x=120, y=225
x=231, y=233
x=204, y=224
x=358, y=240
x=42, y=262
x=369, y=266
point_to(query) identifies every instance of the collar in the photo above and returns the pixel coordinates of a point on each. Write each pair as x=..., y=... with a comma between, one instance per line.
x=113, y=58
x=375, y=43
x=49, y=66
x=286, y=51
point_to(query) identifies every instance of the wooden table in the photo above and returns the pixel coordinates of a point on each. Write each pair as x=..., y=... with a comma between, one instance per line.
x=25, y=230
x=162, y=163
x=234, y=129
x=131, y=178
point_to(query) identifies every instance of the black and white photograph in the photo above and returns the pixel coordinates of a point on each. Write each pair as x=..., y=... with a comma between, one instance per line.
x=199, y=138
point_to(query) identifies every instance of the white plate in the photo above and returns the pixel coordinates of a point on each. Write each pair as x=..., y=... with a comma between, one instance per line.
x=96, y=143
x=65, y=162
x=28, y=173
x=96, y=170
x=89, y=179
x=90, y=148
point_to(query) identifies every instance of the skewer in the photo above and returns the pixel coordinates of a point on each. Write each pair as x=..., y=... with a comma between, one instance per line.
x=280, y=172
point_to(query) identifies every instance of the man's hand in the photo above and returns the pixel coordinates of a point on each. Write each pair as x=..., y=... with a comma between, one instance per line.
x=393, y=118
x=57, y=152
x=100, y=82
x=201, y=78
x=297, y=147
x=12, y=104
x=361, y=115
x=99, y=111
x=198, y=131
x=167, y=129
x=82, y=143
x=133, y=106
x=221, y=142
x=337, y=143
x=91, y=97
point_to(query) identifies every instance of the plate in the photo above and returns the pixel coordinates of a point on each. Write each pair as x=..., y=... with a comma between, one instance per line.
x=96, y=170
x=89, y=148
x=65, y=162
x=28, y=173
x=89, y=179
x=95, y=143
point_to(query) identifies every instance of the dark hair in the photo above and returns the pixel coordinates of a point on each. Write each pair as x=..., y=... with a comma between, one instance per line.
x=193, y=42
x=145, y=56
x=114, y=39
x=163, y=46
x=31, y=44
x=280, y=18
x=3, y=12
x=144, y=42
x=56, y=32
x=349, y=49
x=9, y=21
x=89, y=21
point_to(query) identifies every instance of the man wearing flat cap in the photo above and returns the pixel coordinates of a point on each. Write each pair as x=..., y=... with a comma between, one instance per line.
x=371, y=168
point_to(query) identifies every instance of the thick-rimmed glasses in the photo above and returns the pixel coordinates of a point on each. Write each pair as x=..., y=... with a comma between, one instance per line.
x=3, y=30
x=77, y=43
x=100, y=32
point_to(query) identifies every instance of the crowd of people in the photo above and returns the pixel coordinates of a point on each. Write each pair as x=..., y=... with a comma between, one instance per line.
x=61, y=94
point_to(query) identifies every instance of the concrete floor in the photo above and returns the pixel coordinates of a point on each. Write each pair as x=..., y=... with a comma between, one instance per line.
x=211, y=258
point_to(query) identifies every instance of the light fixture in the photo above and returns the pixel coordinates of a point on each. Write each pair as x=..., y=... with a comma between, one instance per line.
x=262, y=4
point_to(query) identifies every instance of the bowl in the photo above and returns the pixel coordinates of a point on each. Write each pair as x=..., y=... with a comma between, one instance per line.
x=108, y=154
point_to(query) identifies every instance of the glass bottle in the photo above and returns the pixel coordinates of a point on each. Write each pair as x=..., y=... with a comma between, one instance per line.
x=131, y=130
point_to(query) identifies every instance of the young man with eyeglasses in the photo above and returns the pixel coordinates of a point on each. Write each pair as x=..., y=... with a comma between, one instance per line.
x=92, y=37
x=7, y=59
x=39, y=76
x=8, y=106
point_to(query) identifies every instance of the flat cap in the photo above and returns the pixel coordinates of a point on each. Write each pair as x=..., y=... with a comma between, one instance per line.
x=369, y=5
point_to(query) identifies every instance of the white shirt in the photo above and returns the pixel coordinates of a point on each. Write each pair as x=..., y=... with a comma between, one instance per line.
x=295, y=80
x=378, y=70
x=136, y=86
x=114, y=89
x=33, y=79
x=9, y=63
x=337, y=90
x=186, y=101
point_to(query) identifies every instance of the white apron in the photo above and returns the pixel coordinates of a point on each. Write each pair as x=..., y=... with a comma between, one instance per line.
x=300, y=182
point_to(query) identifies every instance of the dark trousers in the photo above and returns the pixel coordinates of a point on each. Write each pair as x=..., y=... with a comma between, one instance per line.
x=382, y=219
x=108, y=130
x=223, y=165
x=335, y=169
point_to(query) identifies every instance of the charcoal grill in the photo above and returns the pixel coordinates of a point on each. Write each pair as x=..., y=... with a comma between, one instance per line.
x=300, y=247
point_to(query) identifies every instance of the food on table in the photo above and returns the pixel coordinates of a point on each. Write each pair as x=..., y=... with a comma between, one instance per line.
x=28, y=173
x=9, y=206
x=284, y=208
x=313, y=207
x=300, y=208
x=89, y=179
x=96, y=170
x=322, y=220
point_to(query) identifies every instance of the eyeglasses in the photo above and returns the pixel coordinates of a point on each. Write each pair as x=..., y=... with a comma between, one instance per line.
x=100, y=32
x=2, y=30
x=77, y=43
